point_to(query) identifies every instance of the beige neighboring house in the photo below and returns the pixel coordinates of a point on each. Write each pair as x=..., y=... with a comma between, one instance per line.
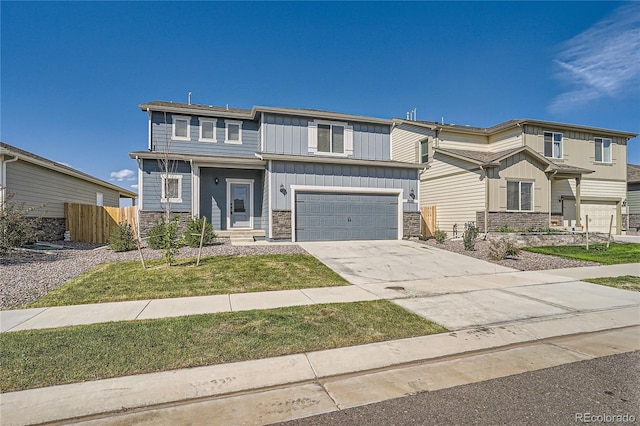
x=35, y=181
x=520, y=173
x=633, y=198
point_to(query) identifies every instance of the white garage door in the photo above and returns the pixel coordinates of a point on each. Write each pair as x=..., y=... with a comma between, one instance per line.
x=600, y=213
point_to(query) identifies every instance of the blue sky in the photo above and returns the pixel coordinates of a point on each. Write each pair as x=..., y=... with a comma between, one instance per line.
x=74, y=73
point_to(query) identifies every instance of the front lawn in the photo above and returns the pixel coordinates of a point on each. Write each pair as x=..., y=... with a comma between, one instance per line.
x=118, y=281
x=625, y=282
x=616, y=253
x=38, y=358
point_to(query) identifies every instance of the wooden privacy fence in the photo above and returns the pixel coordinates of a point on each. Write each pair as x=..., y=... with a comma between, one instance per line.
x=92, y=224
x=428, y=218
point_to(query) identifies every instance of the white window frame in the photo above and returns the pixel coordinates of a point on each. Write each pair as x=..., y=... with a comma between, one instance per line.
x=207, y=120
x=249, y=182
x=175, y=118
x=313, y=138
x=603, y=158
x=425, y=143
x=163, y=195
x=553, y=142
x=520, y=182
x=99, y=199
x=226, y=132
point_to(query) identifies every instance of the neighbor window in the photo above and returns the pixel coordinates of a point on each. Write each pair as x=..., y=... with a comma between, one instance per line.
x=172, y=189
x=424, y=151
x=207, y=130
x=330, y=138
x=520, y=196
x=553, y=145
x=233, y=132
x=99, y=199
x=603, y=150
x=181, y=129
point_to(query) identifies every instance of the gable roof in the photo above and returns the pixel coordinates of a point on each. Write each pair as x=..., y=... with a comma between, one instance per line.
x=29, y=157
x=633, y=173
x=251, y=114
x=493, y=159
x=486, y=131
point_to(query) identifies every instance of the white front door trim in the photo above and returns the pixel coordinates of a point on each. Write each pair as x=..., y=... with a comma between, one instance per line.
x=345, y=190
x=249, y=182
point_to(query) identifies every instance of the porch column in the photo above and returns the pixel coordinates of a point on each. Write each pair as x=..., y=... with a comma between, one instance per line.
x=578, y=202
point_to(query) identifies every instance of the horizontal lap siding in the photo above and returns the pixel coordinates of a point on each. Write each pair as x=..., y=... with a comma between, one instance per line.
x=34, y=186
x=506, y=140
x=152, y=173
x=633, y=199
x=161, y=134
x=463, y=141
x=316, y=174
x=405, y=139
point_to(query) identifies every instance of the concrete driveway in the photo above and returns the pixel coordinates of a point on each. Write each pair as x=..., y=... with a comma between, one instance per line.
x=461, y=292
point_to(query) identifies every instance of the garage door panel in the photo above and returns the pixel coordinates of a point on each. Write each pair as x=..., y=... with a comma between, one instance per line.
x=346, y=216
x=599, y=213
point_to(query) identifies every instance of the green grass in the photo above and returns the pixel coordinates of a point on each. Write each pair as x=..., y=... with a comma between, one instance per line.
x=39, y=358
x=616, y=253
x=120, y=281
x=625, y=282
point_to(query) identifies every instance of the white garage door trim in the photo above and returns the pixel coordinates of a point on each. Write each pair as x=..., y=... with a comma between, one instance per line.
x=345, y=190
x=601, y=220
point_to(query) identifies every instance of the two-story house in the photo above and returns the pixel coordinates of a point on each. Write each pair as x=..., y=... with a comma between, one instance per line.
x=277, y=173
x=518, y=174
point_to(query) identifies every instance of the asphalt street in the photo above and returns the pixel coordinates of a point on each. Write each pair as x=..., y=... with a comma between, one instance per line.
x=591, y=392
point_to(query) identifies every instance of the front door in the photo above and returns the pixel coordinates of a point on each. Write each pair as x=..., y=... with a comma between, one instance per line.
x=240, y=205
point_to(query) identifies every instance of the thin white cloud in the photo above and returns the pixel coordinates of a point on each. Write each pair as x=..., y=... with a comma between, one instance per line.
x=601, y=62
x=124, y=174
x=134, y=186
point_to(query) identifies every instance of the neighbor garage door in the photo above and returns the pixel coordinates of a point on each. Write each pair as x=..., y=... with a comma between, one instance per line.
x=599, y=215
x=339, y=216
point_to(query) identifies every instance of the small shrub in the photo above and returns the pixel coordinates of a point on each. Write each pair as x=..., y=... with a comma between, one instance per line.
x=191, y=236
x=122, y=238
x=440, y=235
x=16, y=228
x=469, y=237
x=502, y=249
x=163, y=235
x=505, y=228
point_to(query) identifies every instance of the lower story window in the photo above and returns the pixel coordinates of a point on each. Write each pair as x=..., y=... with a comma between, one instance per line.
x=172, y=189
x=520, y=196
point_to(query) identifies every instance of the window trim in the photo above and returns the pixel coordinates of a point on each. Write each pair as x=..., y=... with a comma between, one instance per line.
x=207, y=120
x=347, y=148
x=553, y=144
x=99, y=199
x=602, y=150
x=425, y=143
x=520, y=182
x=163, y=185
x=175, y=118
x=226, y=132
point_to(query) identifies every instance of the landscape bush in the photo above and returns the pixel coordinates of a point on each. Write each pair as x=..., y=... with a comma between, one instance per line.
x=440, y=236
x=163, y=235
x=16, y=228
x=121, y=238
x=191, y=236
x=469, y=237
x=503, y=249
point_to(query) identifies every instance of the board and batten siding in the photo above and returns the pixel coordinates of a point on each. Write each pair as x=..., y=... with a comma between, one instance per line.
x=152, y=173
x=518, y=167
x=592, y=189
x=290, y=135
x=318, y=174
x=405, y=142
x=161, y=132
x=36, y=186
x=457, y=198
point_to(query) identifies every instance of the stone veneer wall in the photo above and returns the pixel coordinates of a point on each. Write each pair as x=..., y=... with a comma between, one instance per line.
x=541, y=239
x=281, y=224
x=147, y=219
x=634, y=223
x=513, y=220
x=48, y=228
x=411, y=224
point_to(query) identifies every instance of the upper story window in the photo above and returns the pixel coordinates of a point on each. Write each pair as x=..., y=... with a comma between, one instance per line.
x=171, y=189
x=329, y=137
x=207, y=130
x=603, y=150
x=181, y=128
x=520, y=196
x=233, y=132
x=424, y=151
x=553, y=145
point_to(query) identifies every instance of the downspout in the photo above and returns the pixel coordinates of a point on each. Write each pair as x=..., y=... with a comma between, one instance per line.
x=486, y=200
x=149, y=141
x=550, y=198
x=3, y=178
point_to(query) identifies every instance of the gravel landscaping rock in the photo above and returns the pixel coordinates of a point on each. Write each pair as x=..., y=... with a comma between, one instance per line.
x=26, y=275
x=526, y=261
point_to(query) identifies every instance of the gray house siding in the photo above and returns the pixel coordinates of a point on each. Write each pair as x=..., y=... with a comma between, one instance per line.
x=290, y=135
x=213, y=198
x=161, y=132
x=36, y=186
x=152, y=173
x=317, y=174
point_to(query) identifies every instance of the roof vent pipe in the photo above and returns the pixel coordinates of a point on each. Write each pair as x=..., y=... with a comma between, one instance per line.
x=189, y=98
